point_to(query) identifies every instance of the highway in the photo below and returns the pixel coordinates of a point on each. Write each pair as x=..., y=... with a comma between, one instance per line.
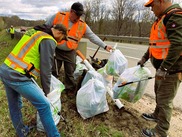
x=133, y=53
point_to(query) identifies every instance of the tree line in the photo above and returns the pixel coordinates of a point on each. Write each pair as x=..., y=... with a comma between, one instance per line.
x=6, y=22
x=120, y=18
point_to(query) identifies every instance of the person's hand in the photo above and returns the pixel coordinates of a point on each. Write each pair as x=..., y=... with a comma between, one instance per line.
x=161, y=73
x=108, y=48
x=141, y=62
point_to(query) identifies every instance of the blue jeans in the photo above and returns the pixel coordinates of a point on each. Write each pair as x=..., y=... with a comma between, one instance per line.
x=14, y=92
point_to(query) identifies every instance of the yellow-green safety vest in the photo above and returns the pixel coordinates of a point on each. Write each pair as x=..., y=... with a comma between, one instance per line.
x=26, y=53
x=12, y=30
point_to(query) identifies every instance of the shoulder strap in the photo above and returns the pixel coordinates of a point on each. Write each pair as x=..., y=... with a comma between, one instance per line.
x=168, y=15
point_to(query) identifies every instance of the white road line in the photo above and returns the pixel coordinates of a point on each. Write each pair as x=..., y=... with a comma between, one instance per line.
x=124, y=47
x=107, y=52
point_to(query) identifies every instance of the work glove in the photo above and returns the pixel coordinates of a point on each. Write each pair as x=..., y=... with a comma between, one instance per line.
x=161, y=73
x=141, y=62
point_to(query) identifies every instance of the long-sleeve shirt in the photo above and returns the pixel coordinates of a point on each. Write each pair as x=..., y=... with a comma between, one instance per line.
x=173, y=61
x=47, y=49
x=88, y=34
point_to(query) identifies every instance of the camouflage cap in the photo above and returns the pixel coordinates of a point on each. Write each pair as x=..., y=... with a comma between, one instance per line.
x=63, y=29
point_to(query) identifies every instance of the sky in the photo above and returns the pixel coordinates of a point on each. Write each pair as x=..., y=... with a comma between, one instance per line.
x=36, y=9
x=33, y=9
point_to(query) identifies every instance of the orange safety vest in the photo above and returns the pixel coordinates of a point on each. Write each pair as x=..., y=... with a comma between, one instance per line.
x=159, y=43
x=75, y=33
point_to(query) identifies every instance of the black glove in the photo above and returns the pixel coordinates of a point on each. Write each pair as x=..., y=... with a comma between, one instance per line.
x=141, y=62
x=161, y=73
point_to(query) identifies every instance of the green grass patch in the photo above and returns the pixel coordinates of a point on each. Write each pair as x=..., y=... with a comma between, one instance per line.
x=75, y=127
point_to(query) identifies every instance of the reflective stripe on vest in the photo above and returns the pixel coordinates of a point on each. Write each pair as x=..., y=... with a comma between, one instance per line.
x=75, y=33
x=159, y=43
x=26, y=53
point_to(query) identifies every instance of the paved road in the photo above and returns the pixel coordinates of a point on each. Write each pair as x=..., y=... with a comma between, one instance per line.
x=133, y=53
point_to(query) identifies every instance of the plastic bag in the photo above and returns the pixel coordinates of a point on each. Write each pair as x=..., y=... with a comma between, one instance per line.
x=80, y=67
x=91, y=99
x=108, y=79
x=55, y=102
x=132, y=92
x=92, y=74
x=116, y=64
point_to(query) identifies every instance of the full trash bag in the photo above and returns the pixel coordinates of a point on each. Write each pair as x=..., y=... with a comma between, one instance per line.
x=92, y=74
x=55, y=102
x=116, y=64
x=132, y=92
x=108, y=79
x=91, y=99
x=80, y=67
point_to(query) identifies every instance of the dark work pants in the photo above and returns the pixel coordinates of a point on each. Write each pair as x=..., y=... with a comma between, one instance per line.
x=12, y=36
x=165, y=91
x=69, y=60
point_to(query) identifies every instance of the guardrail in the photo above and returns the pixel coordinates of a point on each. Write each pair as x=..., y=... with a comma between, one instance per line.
x=122, y=39
x=126, y=39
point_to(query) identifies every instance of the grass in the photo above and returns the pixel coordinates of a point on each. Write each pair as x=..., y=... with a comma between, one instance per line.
x=75, y=126
x=6, y=45
x=6, y=127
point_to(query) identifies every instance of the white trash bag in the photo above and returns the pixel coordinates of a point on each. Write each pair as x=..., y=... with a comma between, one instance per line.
x=108, y=79
x=80, y=67
x=92, y=74
x=55, y=102
x=134, y=91
x=116, y=64
x=91, y=99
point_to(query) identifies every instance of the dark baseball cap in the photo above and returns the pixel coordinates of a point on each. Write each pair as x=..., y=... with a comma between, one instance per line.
x=63, y=29
x=78, y=8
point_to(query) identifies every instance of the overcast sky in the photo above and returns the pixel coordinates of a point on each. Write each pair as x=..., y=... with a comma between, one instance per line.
x=36, y=9
x=33, y=9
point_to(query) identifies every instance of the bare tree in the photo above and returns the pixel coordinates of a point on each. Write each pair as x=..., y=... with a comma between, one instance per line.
x=144, y=19
x=98, y=14
x=122, y=13
x=88, y=8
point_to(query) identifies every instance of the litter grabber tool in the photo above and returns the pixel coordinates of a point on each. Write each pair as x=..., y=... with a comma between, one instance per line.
x=59, y=113
x=92, y=57
x=55, y=109
x=87, y=64
x=56, y=64
x=97, y=63
x=127, y=83
x=85, y=61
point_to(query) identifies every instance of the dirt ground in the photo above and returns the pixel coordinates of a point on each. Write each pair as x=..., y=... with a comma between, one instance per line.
x=147, y=104
x=127, y=120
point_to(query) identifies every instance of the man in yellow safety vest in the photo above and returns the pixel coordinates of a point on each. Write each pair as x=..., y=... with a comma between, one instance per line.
x=32, y=57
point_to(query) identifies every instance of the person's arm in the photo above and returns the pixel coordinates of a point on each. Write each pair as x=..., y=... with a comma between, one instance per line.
x=94, y=38
x=144, y=58
x=174, y=33
x=47, y=50
x=50, y=20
